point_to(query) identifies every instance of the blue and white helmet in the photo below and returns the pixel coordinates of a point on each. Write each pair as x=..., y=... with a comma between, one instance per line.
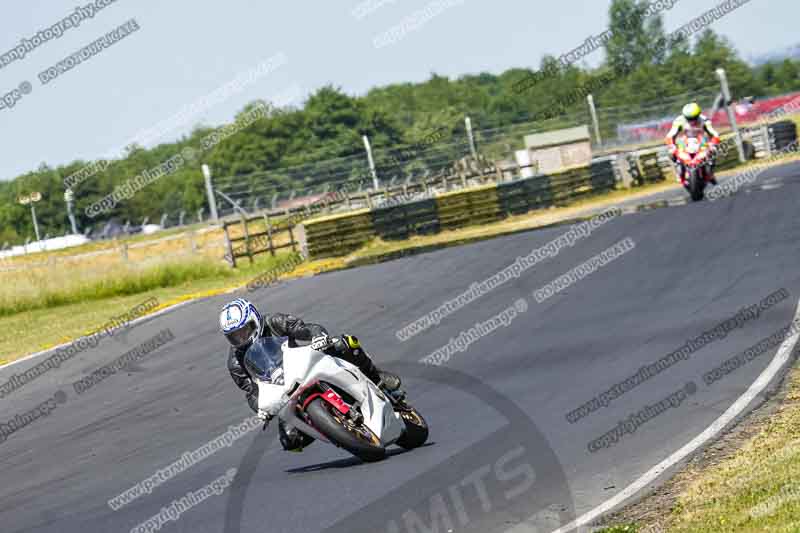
x=240, y=322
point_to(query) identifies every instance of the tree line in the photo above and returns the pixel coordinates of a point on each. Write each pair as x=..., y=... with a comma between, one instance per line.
x=293, y=146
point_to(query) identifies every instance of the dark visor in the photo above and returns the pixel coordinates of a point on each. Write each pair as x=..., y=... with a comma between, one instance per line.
x=242, y=335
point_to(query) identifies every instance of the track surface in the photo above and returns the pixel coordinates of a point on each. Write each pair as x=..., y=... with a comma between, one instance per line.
x=693, y=267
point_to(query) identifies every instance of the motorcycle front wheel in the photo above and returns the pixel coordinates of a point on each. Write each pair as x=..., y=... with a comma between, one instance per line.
x=416, y=432
x=357, y=439
x=696, y=184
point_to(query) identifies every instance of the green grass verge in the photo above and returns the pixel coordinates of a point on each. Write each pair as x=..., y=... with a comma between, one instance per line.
x=72, y=319
x=751, y=486
x=78, y=309
x=756, y=488
x=109, y=285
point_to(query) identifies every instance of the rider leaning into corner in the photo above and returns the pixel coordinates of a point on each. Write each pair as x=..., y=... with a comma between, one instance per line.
x=693, y=123
x=241, y=323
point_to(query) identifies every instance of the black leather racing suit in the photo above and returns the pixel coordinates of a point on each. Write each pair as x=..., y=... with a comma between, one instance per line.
x=283, y=325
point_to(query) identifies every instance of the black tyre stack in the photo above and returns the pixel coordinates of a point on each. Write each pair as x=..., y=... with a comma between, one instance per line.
x=782, y=134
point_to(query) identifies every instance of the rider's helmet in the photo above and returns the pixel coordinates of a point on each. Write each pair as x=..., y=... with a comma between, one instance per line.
x=692, y=111
x=240, y=322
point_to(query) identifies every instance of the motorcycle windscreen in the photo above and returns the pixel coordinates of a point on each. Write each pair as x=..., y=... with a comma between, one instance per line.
x=264, y=358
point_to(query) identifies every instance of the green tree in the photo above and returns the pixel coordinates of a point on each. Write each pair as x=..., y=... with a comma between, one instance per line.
x=635, y=38
x=414, y=127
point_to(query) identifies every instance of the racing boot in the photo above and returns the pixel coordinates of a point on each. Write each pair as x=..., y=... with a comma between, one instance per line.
x=389, y=382
x=711, y=177
x=680, y=174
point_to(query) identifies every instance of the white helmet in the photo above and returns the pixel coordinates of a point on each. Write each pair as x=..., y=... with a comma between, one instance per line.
x=240, y=322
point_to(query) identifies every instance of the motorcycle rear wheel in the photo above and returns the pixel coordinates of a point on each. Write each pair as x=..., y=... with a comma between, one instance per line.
x=357, y=439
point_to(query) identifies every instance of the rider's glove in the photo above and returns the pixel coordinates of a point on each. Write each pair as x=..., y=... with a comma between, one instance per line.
x=264, y=415
x=321, y=343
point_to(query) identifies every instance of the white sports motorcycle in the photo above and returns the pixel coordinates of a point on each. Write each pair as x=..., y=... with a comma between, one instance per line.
x=330, y=399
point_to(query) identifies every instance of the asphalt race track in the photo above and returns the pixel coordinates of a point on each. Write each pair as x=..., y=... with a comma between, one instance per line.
x=501, y=448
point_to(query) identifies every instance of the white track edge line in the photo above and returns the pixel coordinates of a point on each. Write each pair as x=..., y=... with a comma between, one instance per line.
x=758, y=386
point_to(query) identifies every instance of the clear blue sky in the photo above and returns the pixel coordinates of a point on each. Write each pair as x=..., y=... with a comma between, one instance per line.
x=186, y=49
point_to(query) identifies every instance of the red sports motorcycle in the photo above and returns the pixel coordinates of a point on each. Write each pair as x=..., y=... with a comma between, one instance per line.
x=695, y=157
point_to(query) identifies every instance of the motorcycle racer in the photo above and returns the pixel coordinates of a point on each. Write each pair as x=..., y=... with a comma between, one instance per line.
x=693, y=123
x=241, y=324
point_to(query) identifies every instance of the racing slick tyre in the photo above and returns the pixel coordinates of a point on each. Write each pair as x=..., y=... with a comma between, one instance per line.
x=416, y=432
x=357, y=439
x=696, y=185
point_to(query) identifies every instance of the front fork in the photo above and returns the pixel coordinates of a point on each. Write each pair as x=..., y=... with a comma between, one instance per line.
x=680, y=171
x=706, y=171
x=398, y=400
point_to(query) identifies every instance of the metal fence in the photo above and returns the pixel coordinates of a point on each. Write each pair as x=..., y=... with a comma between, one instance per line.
x=252, y=236
x=201, y=244
x=494, y=141
x=432, y=160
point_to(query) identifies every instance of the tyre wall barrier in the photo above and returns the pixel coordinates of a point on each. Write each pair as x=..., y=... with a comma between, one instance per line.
x=339, y=235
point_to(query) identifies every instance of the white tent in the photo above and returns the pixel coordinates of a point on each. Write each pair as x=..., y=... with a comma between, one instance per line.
x=56, y=243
